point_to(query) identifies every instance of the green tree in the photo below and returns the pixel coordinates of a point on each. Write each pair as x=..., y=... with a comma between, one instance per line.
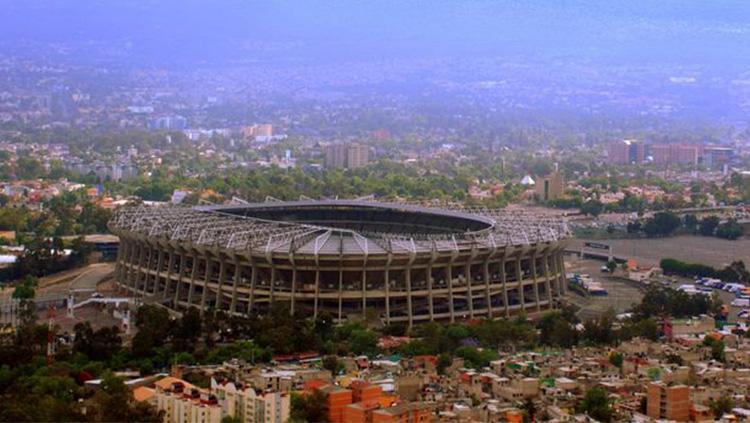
x=556, y=330
x=363, y=341
x=26, y=289
x=592, y=208
x=29, y=168
x=717, y=348
x=114, y=403
x=331, y=363
x=529, y=410
x=311, y=407
x=721, y=406
x=596, y=404
x=99, y=345
x=708, y=225
x=690, y=222
x=662, y=224
x=611, y=266
x=600, y=330
x=729, y=230
x=616, y=359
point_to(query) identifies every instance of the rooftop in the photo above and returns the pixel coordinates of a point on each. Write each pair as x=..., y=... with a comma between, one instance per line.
x=334, y=227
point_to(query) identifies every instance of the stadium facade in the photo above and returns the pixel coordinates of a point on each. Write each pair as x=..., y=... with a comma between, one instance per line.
x=399, y=262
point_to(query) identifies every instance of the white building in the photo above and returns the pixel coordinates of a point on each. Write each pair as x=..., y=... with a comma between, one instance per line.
x=252, y=406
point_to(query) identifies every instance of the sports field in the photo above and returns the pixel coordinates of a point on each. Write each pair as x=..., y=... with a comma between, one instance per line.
x=695, y=249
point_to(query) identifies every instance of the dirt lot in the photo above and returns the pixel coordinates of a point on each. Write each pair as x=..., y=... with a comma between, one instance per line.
x=621, y=296
x=695, y=249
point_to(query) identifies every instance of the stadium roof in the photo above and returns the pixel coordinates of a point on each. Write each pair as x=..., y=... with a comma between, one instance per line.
x=338, y=227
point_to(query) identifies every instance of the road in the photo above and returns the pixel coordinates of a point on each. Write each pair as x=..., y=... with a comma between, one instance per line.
x=88, y=277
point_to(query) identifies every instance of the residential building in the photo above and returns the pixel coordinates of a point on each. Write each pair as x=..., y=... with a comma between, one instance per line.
x=675, y=153
x=668, y=402
x=338, y=398
x=251, y=405
x=411, y=412
x=349, y=156
x=357, y=155
x=335, y=156
x=182, y=402
x=550, y=187
x=626, y=152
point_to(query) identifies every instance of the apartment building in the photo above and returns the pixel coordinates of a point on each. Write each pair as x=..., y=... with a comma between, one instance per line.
x=668, y=402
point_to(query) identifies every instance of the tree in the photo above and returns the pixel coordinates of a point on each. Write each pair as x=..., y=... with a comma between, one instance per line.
x=717, y=348
x=672, y=266
x=187, y=330
x=154, y=326
x=114, y=402
x=592, y=208
x=555, y=330
x=25, y=290
x=729, y=230
x=529, y=410
x=708, y=225
x=596, y=405
x=633, y=227
x=736, y=271
x=97, y=345
x=721, y=406
x=476, y=357
x=444, y=361
x=29, y=168
x=690, y=222
x=616, y=359
x=363, y=341
x=331, y=363
x=611, y=266
x=662, y=224
x=599, y=330
x=311, y=407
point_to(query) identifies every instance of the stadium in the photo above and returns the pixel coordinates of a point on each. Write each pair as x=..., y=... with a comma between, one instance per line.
x=350, y=258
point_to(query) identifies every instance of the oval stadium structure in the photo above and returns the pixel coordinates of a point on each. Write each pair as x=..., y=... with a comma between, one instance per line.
x=350, y=258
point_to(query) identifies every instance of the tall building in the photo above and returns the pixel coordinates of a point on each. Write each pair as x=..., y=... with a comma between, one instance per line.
x=349, y=156
x=338, y=399
x=357, y=155
x=185, y=403
x=264, y=130
x=668, y=402
x=550, y=187
x=660, y=153
x=676, y=153
x=335, y=156
x=170, y=123
x=626, y=152
x=61, y=103
x=717, y=156
x=249, y=405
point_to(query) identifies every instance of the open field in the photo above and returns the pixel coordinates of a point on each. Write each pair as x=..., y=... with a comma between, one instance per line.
x=695, y=249
x=621, y=296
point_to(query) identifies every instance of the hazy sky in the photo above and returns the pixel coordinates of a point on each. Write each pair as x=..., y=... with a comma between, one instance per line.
x=694, y=31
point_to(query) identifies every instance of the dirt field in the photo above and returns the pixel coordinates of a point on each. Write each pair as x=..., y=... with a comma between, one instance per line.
x=696, y=249
x=622, y=295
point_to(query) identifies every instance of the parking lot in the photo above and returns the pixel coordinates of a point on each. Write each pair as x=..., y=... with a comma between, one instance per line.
x=621, y=294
